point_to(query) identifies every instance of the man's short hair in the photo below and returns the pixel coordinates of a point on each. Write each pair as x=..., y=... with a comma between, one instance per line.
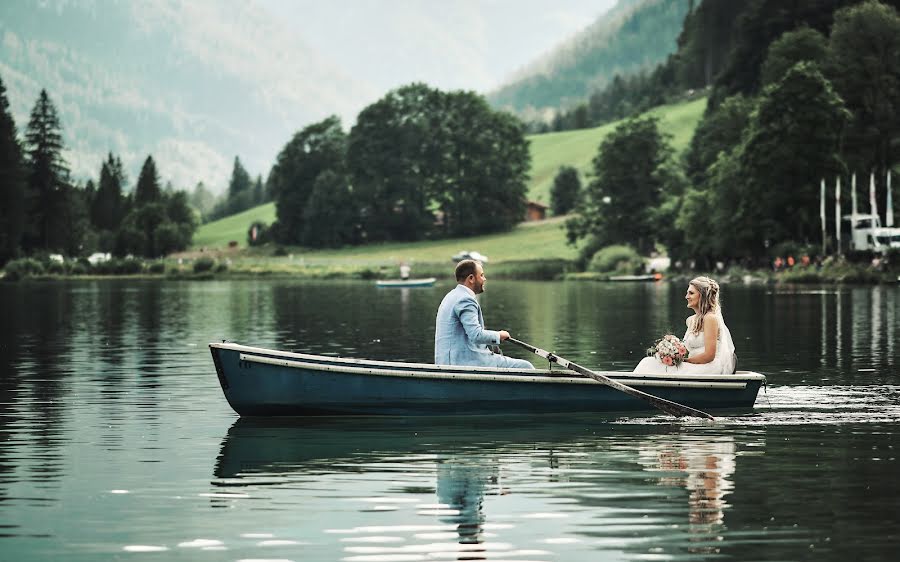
x=464, y=269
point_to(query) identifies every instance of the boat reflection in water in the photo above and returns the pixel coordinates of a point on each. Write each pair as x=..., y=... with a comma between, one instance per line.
x=518, y=487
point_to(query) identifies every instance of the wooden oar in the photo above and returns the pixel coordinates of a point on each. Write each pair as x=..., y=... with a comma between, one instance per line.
x=674, y=408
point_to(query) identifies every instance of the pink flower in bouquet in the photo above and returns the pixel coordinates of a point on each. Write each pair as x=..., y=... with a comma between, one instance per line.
x=669, y=350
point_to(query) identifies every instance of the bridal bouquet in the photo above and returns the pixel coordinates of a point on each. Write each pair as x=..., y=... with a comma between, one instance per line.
x=669, y=350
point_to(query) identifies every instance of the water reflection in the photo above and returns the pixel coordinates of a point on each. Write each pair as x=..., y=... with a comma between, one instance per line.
x=110, y=413
x=470, y=483
x=462, y=484
x=858, y=330
x=703, y=467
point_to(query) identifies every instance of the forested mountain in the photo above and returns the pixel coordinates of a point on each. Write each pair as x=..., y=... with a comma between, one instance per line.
x=193, y=83
x=635, y=35
x=807, y=94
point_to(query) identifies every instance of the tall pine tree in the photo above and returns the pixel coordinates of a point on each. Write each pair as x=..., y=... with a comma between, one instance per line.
x=240, y=180
x=47, y=174
x=147, y=190
x=240, y=189
x=12, y=184
x=259, y=192
x=107, y=205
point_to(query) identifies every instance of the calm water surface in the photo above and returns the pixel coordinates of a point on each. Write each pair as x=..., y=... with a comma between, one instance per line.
x=116, y=441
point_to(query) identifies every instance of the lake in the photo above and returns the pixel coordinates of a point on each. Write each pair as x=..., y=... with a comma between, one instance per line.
x=116, y=442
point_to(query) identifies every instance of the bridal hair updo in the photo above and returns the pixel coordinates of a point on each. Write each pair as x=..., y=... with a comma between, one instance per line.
x=709, y=300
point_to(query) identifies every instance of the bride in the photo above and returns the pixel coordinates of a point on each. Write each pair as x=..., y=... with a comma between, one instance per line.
x=707, y=338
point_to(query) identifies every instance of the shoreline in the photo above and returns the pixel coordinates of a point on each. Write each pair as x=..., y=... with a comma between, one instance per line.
x=835, y=273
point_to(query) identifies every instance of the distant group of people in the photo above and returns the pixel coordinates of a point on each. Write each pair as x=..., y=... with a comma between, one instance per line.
x=789, y=262
x=460, y=336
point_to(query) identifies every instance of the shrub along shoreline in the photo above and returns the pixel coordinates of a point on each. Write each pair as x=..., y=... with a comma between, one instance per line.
x=831, y=271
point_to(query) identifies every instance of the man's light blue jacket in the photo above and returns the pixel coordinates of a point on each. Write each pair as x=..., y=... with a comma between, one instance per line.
x=460, y=337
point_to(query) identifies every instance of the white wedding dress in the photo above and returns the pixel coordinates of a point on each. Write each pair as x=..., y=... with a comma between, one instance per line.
x=722, y=364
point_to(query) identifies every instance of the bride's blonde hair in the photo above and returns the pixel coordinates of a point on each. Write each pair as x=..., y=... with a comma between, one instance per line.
x=709, y=300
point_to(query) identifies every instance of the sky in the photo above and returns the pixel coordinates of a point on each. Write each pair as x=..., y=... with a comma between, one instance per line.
x=197, y=82
x=450, y=44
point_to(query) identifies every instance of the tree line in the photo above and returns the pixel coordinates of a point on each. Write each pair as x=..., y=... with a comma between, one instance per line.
x=806, y=105
x=43, y=210
x=243, y=193
x=419, y=163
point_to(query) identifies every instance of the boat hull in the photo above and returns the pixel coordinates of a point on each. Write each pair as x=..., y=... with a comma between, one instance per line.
x=620, y=278
x=265, y=382
x=425, y=282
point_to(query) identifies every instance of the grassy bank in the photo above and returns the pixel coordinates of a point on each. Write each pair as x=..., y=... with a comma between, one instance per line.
x=241, y=265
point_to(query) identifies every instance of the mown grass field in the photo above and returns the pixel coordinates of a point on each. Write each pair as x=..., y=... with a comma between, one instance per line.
x=529, y=241
x=578, y=148
x=218, y=233
x=548, y=153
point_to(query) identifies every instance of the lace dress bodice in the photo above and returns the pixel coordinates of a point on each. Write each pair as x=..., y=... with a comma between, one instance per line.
x=696, y=344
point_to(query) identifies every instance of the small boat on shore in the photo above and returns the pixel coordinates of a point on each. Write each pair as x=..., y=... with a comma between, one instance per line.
x=267, y=382
x=424, y=282
x=648, y=277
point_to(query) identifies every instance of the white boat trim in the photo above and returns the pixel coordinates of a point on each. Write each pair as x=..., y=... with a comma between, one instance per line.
x=575, y=379
x=403, y=283
x=744, y=376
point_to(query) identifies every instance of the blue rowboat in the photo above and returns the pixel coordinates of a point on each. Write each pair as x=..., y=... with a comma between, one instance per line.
x=424, y=282
x=267, y=382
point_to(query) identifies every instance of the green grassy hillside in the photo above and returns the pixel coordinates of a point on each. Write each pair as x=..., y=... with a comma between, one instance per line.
x=578, y=148
x=539, y=240
x=548, y=153
x=219, y=233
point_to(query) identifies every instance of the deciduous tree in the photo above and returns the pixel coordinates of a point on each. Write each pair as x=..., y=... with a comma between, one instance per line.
x=620, y=204
x=565, y=191
x=767, y=190
x=330, y=217
x=719, y=131
x=316, y=149
x=394, y=153
x=803, y=44
x=865, y=42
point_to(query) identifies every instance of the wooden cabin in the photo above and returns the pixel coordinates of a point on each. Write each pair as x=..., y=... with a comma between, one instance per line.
x=535, y=211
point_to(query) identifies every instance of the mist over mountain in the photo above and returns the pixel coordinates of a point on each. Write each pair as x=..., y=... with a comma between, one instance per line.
x=634, y=35
x=192, y=83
